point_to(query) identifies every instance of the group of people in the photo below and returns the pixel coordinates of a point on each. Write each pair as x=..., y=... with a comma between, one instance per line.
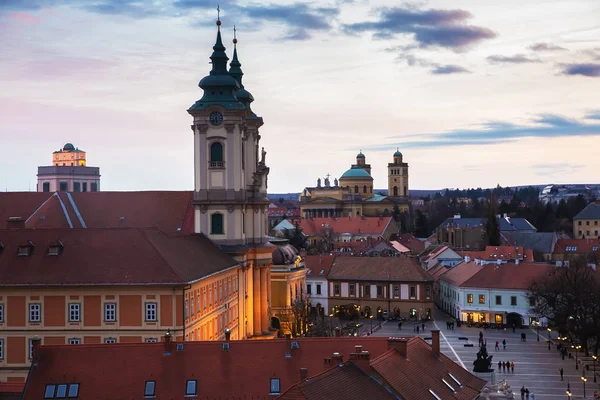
x=450, y=325
x=498, y=345
x=504, y=365
x=525, y=395
x=418, y=328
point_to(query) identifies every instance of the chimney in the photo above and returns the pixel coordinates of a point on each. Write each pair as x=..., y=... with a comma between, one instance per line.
x=338, y=359
x=327, y=364
x=15, y=223
x=303, y=374
x=227, y=334
x=505, y=215
x=362, y=359
x=517, y=261
x=467, y=259
x=398, y=344
x=338, y=332
x=168, y=341
x=435, y=342
x=35, y=350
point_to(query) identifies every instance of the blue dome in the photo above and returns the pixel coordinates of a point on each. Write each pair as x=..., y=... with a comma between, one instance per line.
x=397, y=154
x=68, y=147
x=356, y=172
x=360, y=155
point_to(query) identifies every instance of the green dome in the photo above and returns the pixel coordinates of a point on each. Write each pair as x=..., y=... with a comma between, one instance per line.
x=68, y=147
x=360, y=155
x=356, y=172
x=397, y=154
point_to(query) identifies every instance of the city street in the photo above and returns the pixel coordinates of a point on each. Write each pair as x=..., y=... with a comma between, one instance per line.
x=536, y=367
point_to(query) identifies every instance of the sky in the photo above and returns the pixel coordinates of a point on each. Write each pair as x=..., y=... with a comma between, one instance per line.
x=474, y=93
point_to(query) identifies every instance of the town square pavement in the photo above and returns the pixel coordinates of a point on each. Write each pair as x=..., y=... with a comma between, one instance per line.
x=536, y=367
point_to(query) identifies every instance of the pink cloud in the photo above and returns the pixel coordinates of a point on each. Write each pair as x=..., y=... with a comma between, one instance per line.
x=24, y=17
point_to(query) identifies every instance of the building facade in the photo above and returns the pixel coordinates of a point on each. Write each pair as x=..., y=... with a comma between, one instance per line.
x=317, y=288
x=380, y=286
x=353, y=194
x=586, y=224
x=68, y=173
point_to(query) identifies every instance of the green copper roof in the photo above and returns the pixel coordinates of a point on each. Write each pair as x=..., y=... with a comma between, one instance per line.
x=397, y=154
x=356, y=172
x=219, y=86
x=360, y=155
x=68, y=147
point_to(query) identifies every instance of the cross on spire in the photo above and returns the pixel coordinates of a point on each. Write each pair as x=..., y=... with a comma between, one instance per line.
x=218, y=18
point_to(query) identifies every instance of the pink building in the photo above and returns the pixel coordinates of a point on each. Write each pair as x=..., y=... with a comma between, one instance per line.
x=68, y=172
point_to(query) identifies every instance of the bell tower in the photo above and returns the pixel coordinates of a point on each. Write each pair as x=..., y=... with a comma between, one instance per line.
x=230, y=182
x=398, y=176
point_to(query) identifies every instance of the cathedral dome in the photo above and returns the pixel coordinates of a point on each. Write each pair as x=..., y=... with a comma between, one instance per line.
x=397, y=154
x=284, y=255
x=356, y=173
x=68, y=147
x=360, y=155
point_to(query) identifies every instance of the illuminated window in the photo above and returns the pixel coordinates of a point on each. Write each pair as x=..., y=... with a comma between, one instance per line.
x=469, y=298
x=336, y=289
x=352, y=289
x=481, y=299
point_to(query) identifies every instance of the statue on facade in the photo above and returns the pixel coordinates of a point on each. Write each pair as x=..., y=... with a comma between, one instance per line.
x=263, y=155
x=483, y=362
x=327, y=184
x=318, y=182
x=335, y=182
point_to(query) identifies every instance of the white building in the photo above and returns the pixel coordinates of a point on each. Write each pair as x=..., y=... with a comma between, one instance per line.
x=316, y=282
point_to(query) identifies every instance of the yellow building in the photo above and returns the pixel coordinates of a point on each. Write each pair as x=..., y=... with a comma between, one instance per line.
x=68, y=173
x=586, y=224
x=353, y=194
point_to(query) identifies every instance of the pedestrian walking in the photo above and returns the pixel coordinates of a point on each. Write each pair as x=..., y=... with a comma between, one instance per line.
x=399, y=326
x=500, y=367
x=561, y=373
x=514, y=328
x=497, y=345
x=417, y=328
x=423, y=327
x=508, y=366
x=522, y=392
x=512, y=367
x=531, y=396
x=504, y=344
x=526, y=393
x=503, y=366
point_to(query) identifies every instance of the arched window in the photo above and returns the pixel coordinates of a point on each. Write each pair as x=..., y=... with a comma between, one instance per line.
x=216, y=224
x=395, y=190
x=216, y=155
x=355, y=188
x=365, y=189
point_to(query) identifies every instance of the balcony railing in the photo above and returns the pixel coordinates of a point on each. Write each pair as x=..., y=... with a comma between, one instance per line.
x=216, y=164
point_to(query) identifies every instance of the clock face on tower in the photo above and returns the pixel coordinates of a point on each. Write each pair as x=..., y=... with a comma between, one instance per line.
x=216, y=118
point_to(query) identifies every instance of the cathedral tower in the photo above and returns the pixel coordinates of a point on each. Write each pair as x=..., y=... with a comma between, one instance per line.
x=398, y=176
x=230, y=182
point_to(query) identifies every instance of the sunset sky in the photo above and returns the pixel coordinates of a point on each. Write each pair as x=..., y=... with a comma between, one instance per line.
x=474, y=93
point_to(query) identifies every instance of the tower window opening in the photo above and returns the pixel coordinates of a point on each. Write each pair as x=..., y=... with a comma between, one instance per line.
x=216, y=155
x=365, y=189
x=216, y=224
x=395, y=190
x=356, y=189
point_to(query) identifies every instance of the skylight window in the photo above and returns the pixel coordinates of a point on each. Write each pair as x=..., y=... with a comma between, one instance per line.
x=73, y=390
x=435, y=395
x=61, y=391
x=274, y=385
x=149, y=390
x=454, y=379
x=321, y=273
x=191, y=388
x=49, y=393
x=449, y=387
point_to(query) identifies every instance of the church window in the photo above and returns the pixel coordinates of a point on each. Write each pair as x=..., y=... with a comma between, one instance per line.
x=216, y=224
x=395, y=190
x=365, y=189
x=216, y=155
x=355, y=188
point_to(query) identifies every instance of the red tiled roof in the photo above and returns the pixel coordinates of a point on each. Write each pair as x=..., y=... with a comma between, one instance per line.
x=405, y=374
x=408, y=240
x=167, y=210
x=107, y=256
x=438, y=271
x=11, y=387
x=400, y=268
x=347, y=382
x=352, y=225
x=577, y=246
x=508, y=276
x=460, y=273
x=119, y=371
x=435, y=253
x=505, y=253
x=318, y=265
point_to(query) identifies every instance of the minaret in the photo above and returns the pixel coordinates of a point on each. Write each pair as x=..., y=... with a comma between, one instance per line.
x=397, y=176
x=230, y=183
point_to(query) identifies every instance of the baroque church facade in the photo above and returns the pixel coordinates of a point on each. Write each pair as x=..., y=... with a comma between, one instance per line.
x=352, y=195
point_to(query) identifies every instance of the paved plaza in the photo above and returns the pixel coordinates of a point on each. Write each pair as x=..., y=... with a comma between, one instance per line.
x=536, y=367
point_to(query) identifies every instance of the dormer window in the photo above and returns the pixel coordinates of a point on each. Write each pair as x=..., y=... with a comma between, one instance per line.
x=55, y=248
x=25, y=249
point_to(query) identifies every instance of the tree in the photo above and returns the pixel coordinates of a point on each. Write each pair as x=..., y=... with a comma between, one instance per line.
x=295, y=237
x=492, y=227
x=421, y=230
x=570, y=298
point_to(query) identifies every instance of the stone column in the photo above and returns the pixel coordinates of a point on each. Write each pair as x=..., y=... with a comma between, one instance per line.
x=256, y=294
x=264, y=288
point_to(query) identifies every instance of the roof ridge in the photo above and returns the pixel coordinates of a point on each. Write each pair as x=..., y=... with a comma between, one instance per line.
x=38, y=209
x=64, y=208
x=145, y=235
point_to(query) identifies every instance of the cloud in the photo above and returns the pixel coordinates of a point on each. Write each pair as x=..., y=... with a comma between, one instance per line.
x=516, y=59
x=449, y=69
x=129, y=8
x=494, y=132
x=203, y=4
x=593, y=115
x=546, y=47
x=429, y=28
x=586, y=69
x=556, y=168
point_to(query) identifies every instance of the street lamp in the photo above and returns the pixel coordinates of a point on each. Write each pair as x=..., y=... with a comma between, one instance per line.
x=569, y=394
x=584, y=380
x=594, y=358
x=371, y=318
x=576, y=350
x=330, y=325
x=537, y=324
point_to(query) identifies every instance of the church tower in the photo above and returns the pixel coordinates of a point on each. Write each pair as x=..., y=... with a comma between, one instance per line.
x=398, y=176
x=230, y=182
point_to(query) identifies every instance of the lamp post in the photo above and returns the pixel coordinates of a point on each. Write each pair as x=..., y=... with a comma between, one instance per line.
x=594, y=358
x=330, y=324
x=584, y=380
x=371, y=318
x=569, y=394
x=537, y=324
x=576, y=350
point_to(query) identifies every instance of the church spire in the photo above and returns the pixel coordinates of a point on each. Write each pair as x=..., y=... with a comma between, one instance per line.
x=235, y=71
x=219, y=58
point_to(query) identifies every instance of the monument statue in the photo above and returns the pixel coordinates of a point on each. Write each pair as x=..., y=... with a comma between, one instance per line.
x=483, y=362
x=335, y=182
x=327, y=184
x=263, y=155
x=318, y=182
